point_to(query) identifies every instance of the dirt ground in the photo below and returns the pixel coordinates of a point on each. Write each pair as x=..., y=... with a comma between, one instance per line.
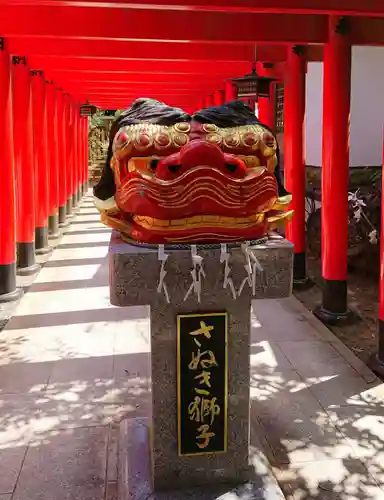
x=360, y=337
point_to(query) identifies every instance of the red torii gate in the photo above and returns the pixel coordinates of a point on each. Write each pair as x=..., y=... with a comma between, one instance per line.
x=183, y=52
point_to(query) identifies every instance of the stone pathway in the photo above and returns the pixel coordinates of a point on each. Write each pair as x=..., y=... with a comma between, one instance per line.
x=72, y=366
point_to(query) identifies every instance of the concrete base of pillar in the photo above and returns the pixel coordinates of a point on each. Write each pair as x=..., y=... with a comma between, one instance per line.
x=333, y=309
x=53, y=226
x=330, y=318
x=26, y=262
x=300, y=278
x=74, y=203
x=41, y=241
x=69, y=207
x=63, y=217
x=12, y=296
x=8, y=290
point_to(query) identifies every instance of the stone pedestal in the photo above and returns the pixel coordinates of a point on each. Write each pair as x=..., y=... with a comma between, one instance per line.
x=134, y=278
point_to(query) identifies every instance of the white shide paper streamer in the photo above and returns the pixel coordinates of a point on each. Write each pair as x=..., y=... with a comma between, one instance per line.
x=252, y=265
x=224, y=257
x=162, y=286
x=197, y=274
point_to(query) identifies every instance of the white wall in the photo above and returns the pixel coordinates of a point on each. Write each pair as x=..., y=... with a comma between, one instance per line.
x=314, y=113
x=367, y=108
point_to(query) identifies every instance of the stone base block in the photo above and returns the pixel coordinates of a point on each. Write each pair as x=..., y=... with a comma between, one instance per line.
x=135, y=272
x=135, y=479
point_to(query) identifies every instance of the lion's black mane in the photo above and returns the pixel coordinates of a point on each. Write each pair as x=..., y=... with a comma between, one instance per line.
x=231, y=114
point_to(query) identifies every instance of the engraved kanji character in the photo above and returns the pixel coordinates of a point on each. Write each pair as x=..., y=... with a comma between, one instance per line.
x=205, y=435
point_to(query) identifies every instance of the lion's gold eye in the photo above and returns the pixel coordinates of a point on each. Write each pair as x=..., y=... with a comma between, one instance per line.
x=250, y=161
x=143, y=164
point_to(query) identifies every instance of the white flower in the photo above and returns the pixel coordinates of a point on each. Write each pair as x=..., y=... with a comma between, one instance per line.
x=357, y=214
x=373, y=237
x=351, y=196
x=355, y=200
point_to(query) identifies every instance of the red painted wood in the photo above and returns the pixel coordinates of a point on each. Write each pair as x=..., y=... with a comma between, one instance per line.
x=123, y=104
x=52, y=150
x=175, y=98
x=266, y=111
x=335, y=169
x=23, y=152
x=81, y=151
x=78, y=165
x=39, y=108
x=178, y=26
x=129, y=93
x=86, y=149
x=79, y=82
x=107, y=23
x=83, y=128
x=8, y=183
x=170, y=85
x=68, y=145
x=113, y=78
x=72, y=150
x=62, y=167
x=128, y=99
x=230, y=91
x=140, y=92
x=149, y=51
x=294, y=161
x=345, y=7
x=61, y=64
x=210, y=101
x=218, y=97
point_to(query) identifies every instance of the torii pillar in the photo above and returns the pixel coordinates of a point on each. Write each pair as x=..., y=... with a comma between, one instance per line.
x=62, y=149
x=68, y=153
x=53, y=156
x=230, y=91
x=218, y=98
x=210, y=101
x=25, y=165
x=294, y=162
x=8, y=290
x=335, y=171
x=267, y=108
x=39, y=107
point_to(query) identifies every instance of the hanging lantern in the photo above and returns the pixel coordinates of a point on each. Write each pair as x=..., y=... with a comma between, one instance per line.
x=87, y=110
x=253, y=86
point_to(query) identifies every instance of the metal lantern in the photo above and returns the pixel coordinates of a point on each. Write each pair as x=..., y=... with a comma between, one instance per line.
x=87, y=110
x=253, y=86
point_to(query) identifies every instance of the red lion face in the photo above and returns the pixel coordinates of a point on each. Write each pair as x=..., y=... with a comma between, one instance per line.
x=193, y=182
